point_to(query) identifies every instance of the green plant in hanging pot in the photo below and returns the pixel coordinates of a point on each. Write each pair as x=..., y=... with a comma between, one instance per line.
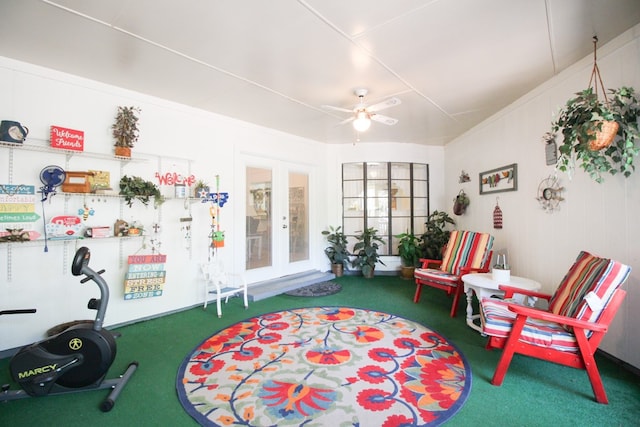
x=409, y=252
x=337, y=250
x=132, y=188
x=599, y=135
x=460, y=203
x=366, y=251
x=125, y=130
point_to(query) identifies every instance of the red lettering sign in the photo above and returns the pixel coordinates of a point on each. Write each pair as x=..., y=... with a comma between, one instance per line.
x=67, y=139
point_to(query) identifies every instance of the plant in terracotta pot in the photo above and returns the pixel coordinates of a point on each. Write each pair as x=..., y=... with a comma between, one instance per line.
x=337, y=251
x=409, y=252
x=366, y=251
x=125, y=130
x=132, y=188
x=436, y=235
x=582, y=122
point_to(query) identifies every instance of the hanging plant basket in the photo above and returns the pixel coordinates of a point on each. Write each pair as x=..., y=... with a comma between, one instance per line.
x=599, y=135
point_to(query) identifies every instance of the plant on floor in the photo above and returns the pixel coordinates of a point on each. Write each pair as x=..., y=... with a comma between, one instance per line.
x=366, y=251
x=409, y=252
x=337, y=250
x=132, y=188
x=436, y=236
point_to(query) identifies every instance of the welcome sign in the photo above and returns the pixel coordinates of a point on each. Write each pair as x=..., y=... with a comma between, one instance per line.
x=67, y=139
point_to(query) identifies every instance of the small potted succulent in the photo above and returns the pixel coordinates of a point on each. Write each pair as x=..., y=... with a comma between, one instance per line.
x=125, y=130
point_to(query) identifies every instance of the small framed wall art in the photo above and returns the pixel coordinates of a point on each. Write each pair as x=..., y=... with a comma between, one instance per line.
x=499, y=179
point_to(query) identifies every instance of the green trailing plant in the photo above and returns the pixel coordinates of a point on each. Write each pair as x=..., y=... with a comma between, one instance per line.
x=134, y=187
x=365, y=251
x=125, y=128
x=409, y=249
x=337, y=250
x=436, y=235
x=580, y=120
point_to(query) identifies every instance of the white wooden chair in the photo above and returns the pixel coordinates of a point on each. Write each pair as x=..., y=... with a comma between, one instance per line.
x=221, y=284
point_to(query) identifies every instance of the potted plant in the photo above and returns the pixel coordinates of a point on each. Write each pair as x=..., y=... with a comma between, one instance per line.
x=337, y=251
x=201, y=189
x=125, y=130
x=582, y=122
x=134, y=187
x=409, y=252
x=366, y=251
x=436, y=236
x=461, y=202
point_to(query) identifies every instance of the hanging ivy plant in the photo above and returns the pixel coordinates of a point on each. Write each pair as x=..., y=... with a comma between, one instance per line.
x=134, y=187
x=580, y=121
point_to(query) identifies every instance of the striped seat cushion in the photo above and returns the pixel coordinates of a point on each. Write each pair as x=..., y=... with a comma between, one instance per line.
x=465, y=249
x=589, y=274
x=497, y=320
x=436, y=276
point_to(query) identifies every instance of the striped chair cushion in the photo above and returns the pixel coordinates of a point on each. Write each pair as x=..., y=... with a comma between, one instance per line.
x=497, y=320
x=465, y=249
x=588, y=274
x=436, y=276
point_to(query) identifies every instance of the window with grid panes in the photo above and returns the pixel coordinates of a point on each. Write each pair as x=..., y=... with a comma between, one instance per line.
x=391, y=197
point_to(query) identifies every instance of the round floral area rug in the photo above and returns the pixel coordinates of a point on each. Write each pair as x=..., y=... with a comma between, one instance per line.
x=324, y=366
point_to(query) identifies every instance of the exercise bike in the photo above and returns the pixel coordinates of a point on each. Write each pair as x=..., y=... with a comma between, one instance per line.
x=74, y=360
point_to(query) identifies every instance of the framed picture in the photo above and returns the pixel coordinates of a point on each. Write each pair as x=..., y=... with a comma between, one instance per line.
x=499, y=180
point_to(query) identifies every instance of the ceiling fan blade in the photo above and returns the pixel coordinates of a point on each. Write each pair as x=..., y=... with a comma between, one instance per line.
x=330, y=107
x=384, y=119
x=384, y=104
x=350, y=119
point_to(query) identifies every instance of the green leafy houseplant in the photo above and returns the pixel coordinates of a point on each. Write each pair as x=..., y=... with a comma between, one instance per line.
x=134, y=187
x=409, y=252
x=366, y=251
x=436, y=236
x=337, y=250
x=582, y=118
x=125, y=130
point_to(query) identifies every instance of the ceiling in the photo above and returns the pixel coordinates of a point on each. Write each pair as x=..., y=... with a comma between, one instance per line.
x=452, y=63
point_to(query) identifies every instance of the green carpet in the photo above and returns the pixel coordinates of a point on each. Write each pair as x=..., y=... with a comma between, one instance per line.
x=534, y=393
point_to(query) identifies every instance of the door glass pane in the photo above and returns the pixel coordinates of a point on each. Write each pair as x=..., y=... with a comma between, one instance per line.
x=258, y=221
x=298, y=217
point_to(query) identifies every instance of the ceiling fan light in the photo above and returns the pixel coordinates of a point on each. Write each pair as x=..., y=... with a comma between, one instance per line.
x=362, y=121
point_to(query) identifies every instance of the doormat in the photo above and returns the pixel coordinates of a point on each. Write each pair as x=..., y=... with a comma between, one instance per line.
x=316, y=290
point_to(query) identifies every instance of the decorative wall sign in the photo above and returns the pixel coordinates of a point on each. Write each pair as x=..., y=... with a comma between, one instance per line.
x=67, y=139
x=146, y=276
x=499, y=179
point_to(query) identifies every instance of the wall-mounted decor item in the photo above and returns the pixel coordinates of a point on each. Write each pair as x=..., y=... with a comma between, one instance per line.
x=460, y=203
x=11, y=131
x=550, y=149
x=550, y=193
x=497, y=216
x=464, y=177
x=499, y=179
x=599, y=135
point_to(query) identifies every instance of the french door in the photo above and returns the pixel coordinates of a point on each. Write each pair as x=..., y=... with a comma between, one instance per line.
x=277, y=219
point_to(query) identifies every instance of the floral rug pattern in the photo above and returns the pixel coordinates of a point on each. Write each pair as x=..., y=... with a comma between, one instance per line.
x=322, y=366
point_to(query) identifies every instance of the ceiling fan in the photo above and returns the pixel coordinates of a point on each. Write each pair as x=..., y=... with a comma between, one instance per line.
x=363, y=113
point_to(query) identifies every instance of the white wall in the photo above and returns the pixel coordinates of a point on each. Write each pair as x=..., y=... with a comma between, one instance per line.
x=600, y=218
x=172, y=137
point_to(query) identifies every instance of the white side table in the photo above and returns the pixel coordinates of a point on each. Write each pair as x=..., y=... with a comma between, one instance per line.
x=484, y=286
